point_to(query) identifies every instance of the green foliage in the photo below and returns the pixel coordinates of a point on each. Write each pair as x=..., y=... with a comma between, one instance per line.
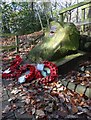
x=6, y=10
x=25, y=17
x=20, y=18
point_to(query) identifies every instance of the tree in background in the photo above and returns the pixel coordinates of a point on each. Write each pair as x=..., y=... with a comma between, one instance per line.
x=58, y=5
x=27, y=17
x=19, y=18
x=44, y=11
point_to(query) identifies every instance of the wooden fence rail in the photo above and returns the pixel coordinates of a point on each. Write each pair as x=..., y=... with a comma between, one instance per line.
x=84, y=21
x=17, y=38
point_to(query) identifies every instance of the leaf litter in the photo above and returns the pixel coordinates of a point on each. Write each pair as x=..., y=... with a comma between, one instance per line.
x=51, y=101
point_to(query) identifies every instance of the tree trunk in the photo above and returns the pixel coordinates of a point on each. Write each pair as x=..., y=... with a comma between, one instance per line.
x=48, y=24
x=40, y=20
x=32, y=6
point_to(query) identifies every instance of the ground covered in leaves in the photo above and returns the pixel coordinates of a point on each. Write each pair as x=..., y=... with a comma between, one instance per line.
x=48, y=102
x=52, y=101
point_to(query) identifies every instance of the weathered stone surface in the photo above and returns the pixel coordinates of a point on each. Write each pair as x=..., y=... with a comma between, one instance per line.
x=57, y=41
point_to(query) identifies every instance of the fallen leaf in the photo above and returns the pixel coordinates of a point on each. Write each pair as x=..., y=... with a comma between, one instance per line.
x=33, y=111
x=40, y=113
x=7, y=109
x=27, y=100
x=74, y=109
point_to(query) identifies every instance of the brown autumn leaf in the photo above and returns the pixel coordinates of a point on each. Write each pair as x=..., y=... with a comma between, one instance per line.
x=73, y=102
x=53, y=93
x=74, y=109
x=83, y=103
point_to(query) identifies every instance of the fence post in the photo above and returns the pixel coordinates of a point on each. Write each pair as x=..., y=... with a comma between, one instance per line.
x=89, y=25
x=83, y=18
x=17, y=43
x=61, y=17
x=77, y=15
x=70, y=16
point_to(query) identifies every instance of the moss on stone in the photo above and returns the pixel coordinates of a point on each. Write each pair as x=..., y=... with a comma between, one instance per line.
x=63, y=39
